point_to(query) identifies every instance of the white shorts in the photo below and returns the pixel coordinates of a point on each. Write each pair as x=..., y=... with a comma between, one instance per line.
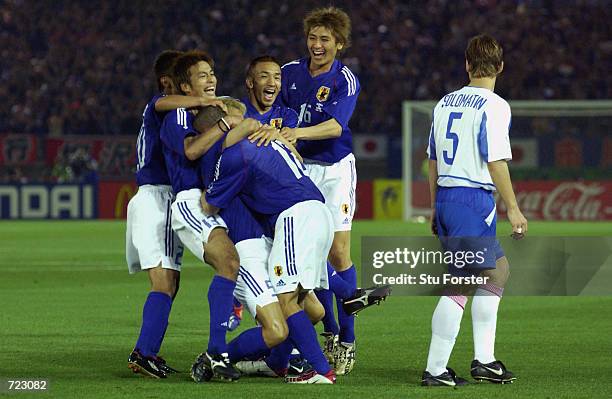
x=190, y=222
x=149, y=239
x=253, y=286
x=303, y=236
x=337, y=182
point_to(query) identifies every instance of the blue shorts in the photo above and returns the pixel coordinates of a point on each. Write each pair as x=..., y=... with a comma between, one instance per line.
x=466, y=219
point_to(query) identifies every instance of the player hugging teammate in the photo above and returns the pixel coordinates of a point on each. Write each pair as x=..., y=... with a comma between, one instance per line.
x=267, y=222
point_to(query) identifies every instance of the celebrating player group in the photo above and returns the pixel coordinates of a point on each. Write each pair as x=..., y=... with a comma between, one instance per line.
x=262, y=189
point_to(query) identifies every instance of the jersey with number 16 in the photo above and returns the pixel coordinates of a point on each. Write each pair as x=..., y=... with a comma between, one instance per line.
x=470, y=128
x=318, y=99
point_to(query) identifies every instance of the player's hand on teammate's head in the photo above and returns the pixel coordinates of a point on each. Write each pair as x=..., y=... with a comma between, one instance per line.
x=264, y=135
x=214, y=102
x=250, y=124
x=289, y=134
x=234, y=106
x=518, y=222
x=233, y=120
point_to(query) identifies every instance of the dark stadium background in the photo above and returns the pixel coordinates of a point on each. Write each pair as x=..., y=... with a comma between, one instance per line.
x=74, y=79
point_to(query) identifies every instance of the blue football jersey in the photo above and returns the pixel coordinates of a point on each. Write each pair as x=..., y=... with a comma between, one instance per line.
x=150, y=166
x=278, y=116
x=241, y=223
x=183, y=173
x=318, y=99
x=268, y=180
x=208, y=161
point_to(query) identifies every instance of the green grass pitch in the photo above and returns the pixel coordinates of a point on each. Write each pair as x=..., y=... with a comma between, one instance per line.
x=71, y=313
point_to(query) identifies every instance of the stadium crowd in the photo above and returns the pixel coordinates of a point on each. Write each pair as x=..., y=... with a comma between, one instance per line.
x=84, y=67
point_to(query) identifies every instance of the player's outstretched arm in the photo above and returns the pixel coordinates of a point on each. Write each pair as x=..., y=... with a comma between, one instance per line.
x=433, y=187
x=213, y=124
x=196, y=146
x=329, y=129
x=501, y=178
x=174, y=101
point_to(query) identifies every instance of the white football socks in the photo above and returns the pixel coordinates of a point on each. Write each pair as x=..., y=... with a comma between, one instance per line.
x=484, y=322
x=445, y=325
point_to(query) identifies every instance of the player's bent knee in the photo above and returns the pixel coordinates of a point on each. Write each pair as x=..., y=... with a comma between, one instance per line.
x=221, y=254
x=317, y=316
x=272, y=321
x=276, y=332
x=315, y=312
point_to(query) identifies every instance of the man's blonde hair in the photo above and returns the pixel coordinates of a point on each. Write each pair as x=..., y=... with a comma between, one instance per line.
x=484, y=56
x=332, y=18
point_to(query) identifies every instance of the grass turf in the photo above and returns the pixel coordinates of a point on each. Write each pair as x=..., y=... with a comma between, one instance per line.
x=72, y=315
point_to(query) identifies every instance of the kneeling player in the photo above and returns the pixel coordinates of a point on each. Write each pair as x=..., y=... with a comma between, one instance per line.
x=204, y=235
x=272, y=182
x=263, y=83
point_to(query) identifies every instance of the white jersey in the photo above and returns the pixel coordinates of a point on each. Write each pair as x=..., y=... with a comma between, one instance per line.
x=470, y=127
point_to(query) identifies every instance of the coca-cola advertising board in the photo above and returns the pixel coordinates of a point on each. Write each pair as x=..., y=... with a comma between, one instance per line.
x=546, y=200
x=563, y=200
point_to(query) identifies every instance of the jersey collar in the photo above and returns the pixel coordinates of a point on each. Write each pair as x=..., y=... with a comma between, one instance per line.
x=251, y=110
x=306, y=63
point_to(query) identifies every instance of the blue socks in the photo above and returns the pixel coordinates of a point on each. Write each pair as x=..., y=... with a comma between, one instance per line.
x=278, y=360
x=155, y=313
x=343, y=285
x=249, y=344
x=220, y=302
x=347, y=323
x=326, y=297
x=158, y=345
x=338, y=285
x=304, y=337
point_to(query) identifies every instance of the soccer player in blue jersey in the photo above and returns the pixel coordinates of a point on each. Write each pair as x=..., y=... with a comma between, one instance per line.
x=204, y=235
x=469, y=147
x=272, y=183
x=263, y=82
x=150, y=243
x=324, y=93
x=253, y=286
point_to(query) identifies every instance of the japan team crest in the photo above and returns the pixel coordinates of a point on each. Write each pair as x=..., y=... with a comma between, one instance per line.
x=345, y=209
x=276, y=123
x=323, y=93
x=278, y=270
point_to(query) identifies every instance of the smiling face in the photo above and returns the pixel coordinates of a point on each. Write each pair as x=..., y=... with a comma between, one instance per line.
x=202, y=81
x=264, y=84
x=322, y=47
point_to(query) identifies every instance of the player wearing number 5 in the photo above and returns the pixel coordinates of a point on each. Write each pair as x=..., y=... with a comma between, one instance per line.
x=469, y=146
x=324, y=93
